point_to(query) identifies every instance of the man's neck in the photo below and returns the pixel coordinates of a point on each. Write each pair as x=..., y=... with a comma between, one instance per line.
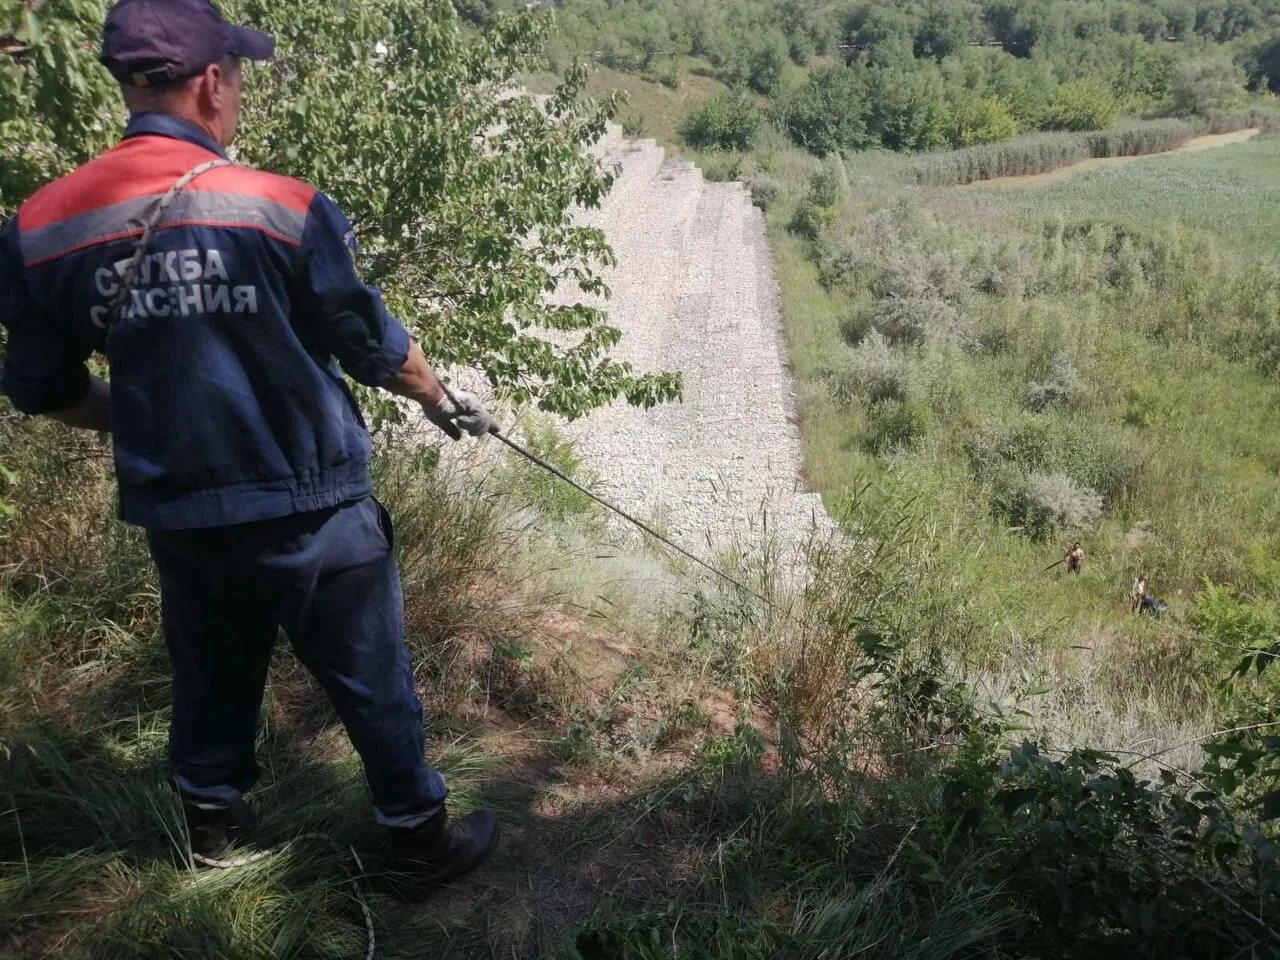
x=196, y=120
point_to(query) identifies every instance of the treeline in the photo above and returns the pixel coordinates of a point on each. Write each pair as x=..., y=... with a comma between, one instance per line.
x=911, y=75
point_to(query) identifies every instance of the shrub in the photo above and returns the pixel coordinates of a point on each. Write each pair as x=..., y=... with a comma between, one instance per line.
x=765, y=62
x=854, y=327
x=1054, y=503
x=1082, y=105
x=721, y=166
x=896, y=424
x=872, y=372
x=764, y=189
x=812, y=220
x=915, y=272
x=1097, y=456
x=727, y=121
x=1145, y=405
x=916, y=320
x=1004, y=273
x=1057, y=389
x=633, y=124
x=828, y=185
x=668, y=76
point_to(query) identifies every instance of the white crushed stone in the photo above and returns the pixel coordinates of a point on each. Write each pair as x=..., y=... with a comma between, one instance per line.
x=694, y=291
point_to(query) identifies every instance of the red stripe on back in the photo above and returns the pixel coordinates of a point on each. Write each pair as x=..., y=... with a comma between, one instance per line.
x=147, y=165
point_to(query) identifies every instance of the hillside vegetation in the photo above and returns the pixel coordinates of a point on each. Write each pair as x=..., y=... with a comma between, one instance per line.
x=840, y=76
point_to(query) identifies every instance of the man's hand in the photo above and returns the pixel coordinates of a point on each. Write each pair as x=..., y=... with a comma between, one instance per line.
x=463, y=413
x=91, y=413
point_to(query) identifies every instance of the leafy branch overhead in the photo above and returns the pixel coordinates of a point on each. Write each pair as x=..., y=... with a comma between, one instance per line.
x=459, y=187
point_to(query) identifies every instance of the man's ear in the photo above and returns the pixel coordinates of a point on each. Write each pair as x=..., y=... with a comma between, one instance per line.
x=211, y=87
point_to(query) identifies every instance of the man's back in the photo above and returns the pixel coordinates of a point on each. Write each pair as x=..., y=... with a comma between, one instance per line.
x=228, y=405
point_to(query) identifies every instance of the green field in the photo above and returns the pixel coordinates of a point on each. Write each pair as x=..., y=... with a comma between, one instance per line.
x=1155, y=283
x=1231, y=195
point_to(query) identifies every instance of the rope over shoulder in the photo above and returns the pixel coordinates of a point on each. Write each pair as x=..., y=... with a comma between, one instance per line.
x=129, y=278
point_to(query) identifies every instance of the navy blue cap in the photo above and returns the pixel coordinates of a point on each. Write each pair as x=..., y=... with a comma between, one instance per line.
x=154, y=42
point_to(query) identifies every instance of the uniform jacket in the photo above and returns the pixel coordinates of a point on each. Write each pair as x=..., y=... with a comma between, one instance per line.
x=228, y=401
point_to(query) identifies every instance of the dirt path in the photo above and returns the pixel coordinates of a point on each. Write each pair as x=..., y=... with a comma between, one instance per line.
x=1195, y=145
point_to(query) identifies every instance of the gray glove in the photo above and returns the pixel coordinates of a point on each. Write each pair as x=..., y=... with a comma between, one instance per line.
x=465, y=415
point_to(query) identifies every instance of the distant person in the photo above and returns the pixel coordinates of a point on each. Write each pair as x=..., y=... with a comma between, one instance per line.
x=1075, y=558
x=1139, y=592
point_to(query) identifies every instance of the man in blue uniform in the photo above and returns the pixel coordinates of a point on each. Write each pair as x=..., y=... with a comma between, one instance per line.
x=237, y=444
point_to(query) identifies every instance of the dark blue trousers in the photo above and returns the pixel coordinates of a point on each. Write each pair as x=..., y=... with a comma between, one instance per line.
x=329, y=579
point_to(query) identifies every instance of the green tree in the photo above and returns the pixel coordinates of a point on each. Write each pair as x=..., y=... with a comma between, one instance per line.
x=58, y=107
x=1264, y=67
x=727, y=121
x=945, y=27
x=1207, y=83
x=766, y=61
x=971, y=119
x=1082, y=105
x=907, y=106
x=828, y=113
x=460, y=193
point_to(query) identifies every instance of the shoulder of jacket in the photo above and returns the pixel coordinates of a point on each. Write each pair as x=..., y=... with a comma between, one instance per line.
x=275, y=187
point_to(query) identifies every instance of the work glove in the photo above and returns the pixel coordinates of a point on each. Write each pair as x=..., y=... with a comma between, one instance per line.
x=461, y=414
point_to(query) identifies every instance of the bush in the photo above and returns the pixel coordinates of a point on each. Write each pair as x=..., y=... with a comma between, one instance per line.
x=1097, y=456
x=766, y=62
x=721, y=166
x=915, y=320
x=915, y=272
x=872, y=372
x=895, y=424
x=828, y=185
x=727, y=121
x=812, y=220
x=1082, y=105
x=1054, y=503
x=764, y=189
x=1057, y=389
x=854, y=327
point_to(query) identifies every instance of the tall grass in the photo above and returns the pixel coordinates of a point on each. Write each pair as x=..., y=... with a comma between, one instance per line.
x=1042, y=152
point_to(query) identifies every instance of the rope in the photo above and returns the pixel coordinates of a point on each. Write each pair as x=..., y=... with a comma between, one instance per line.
x=533, y=458
x=353, y=877
x=555, y=471
x=130, y=276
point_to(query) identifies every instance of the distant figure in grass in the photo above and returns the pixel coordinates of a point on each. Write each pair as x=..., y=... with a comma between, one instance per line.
x=1144, y=602
x=1139, y=592
x=1075, y=558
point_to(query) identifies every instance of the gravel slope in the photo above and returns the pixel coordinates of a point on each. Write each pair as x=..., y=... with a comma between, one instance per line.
x=694, y=291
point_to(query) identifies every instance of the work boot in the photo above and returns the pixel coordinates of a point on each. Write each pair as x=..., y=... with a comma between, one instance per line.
x=438, y=849
x=213, y=831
